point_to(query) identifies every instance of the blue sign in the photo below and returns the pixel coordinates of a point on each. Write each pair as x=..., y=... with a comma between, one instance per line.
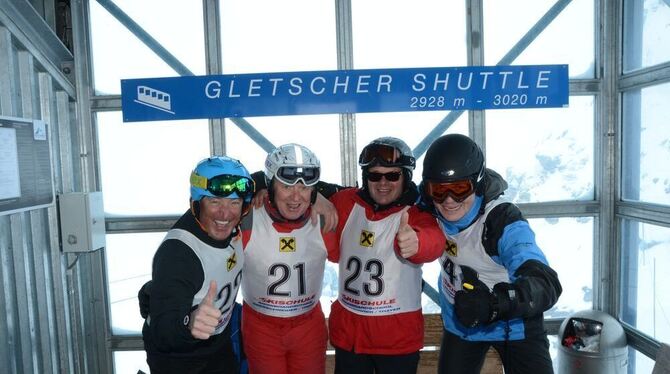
x=345, y=91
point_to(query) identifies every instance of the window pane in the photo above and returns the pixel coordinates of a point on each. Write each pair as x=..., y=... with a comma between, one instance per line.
x=569, y=39
x=645, y=283
x=646, y=145
x=391, y=34
x=545, y=155
x=130, y=362
x=118, y=54
x=274, y=36
x=571, y=255
x=646, y=36
x=411, y=127
x=318, y=133
x=145, y=167
x=639, y=362
x=129, y=258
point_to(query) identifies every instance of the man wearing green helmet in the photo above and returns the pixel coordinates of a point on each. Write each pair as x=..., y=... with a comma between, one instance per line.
x=196, y=274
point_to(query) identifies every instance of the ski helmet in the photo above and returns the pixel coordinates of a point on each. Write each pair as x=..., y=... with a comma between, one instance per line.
x=221, y=176
x=292, y=163
x=454, y=157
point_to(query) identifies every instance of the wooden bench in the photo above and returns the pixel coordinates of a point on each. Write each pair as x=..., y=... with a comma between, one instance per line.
x=431, y=351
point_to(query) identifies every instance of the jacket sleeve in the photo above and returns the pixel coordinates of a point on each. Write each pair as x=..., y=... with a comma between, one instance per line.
x=176, y=277
x=330, y=238
x=431, y=238
x=534, y=286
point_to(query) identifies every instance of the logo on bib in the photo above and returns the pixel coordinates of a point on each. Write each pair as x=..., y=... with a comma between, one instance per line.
x=451, y=248
x=367, y=238
x=287, y=244
x=231, y=262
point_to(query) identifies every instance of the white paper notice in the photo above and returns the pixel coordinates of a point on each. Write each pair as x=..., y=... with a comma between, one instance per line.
x=10, y=186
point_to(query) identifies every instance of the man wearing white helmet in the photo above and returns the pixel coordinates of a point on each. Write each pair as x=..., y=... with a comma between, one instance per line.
x=283, y=325
x=196, y=273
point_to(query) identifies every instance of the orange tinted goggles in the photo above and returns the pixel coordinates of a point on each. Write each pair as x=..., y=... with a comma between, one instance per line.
x=458, y=190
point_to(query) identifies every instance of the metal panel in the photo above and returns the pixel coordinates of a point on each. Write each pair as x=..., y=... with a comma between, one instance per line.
x=34, y=34
x=62, y=344
x=45, y=329
x=9, y=351
x=21, y=289
x=7, y=81
x=41, y=241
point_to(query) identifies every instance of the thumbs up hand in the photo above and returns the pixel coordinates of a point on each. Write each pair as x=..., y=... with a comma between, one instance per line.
x=408, y=241
x=205, y=318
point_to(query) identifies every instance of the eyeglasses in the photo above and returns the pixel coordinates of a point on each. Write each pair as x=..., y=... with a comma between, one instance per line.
x=392, y=176
x=458, y=190
x=224, y=185
x=293, y=175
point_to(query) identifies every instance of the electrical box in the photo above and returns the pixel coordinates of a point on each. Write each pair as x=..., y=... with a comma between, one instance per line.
x=82, y=221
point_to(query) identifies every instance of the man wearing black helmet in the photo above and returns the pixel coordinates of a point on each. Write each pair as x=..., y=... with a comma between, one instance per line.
x=376, y=325
x=495, y=281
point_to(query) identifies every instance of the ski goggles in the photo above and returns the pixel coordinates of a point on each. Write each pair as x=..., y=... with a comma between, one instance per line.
x=378, y=153
x=290, y=175
x=224, y=185
x=392, y=176
x=458, y=190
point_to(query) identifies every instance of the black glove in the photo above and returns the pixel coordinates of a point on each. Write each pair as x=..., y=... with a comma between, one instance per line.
x=473, y=304
x=143, y=297
x=509, y=301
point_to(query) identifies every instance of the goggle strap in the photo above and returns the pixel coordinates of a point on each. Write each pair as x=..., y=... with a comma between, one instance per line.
x=198, y=181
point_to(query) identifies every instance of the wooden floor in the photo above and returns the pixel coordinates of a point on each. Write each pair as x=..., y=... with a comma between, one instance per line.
x=429, y=356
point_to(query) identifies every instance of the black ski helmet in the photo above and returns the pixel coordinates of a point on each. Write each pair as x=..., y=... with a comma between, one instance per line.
x=454, y=157
x=373, y=155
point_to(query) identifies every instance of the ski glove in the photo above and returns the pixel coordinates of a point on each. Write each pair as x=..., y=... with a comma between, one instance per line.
x=476, y=305
x=473, y=303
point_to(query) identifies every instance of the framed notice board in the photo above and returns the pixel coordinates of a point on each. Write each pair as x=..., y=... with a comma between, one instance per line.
x=26, y=180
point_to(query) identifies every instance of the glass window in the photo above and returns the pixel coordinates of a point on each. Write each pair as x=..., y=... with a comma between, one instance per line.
x=129, y=258
x=118, y=54
x=130, y=362
x=569, y=39
x=645, y=282
x=646, y=145
x=545, y=155
x=639, y=363
x=276, y=36
x=567, y=244
x=140, y=169
x=319, y=133
x=645, y=33
x=391, y=34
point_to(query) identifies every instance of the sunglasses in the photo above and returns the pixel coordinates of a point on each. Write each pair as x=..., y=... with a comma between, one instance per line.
x=458, y=190
x=392, y=176
x=293, y=175
x=224, y=185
